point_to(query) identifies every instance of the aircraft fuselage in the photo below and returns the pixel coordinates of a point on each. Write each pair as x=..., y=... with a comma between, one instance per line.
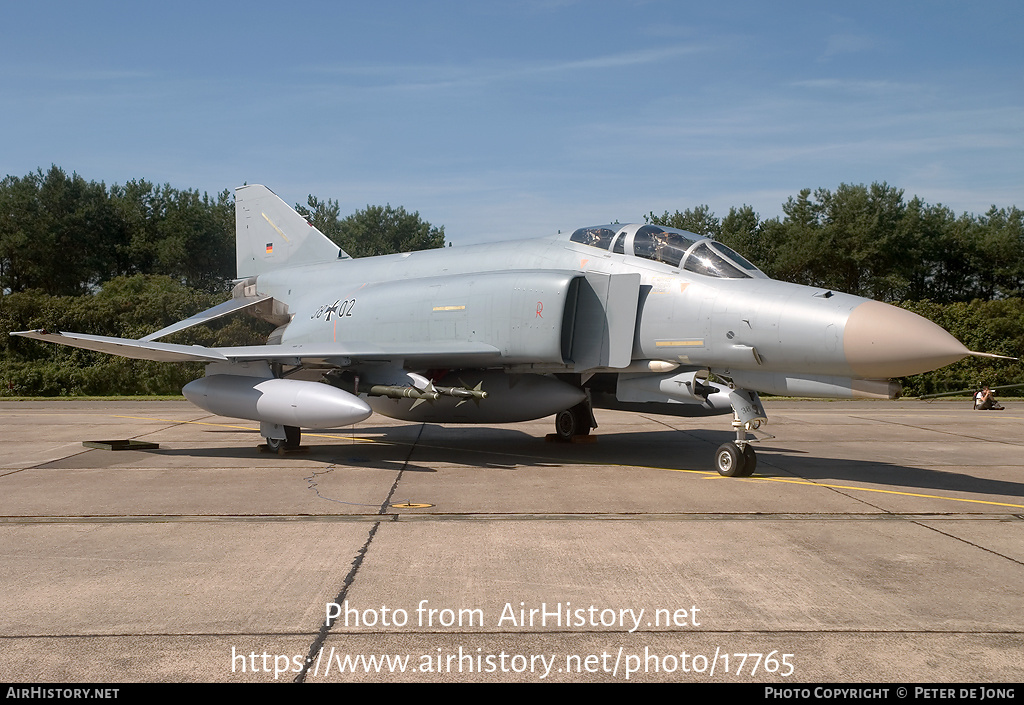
x=518, y=296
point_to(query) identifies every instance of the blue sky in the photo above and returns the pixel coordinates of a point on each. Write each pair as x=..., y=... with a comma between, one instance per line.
x=510, y=119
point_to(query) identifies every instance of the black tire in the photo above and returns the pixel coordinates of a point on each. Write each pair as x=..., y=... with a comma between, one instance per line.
x=292, y=439
x=729, y=460
x=573, y=422
x=749, y=461
x=566, y=423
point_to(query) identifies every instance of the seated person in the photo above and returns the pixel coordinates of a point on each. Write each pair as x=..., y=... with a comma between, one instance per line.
x=985, y=400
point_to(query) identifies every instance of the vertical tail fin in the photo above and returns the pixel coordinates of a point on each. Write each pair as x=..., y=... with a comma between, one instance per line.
x=269, y=234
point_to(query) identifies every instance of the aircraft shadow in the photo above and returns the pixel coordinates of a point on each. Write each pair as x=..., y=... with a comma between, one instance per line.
x=783, y=462
x=394, y=448
x=327, y=455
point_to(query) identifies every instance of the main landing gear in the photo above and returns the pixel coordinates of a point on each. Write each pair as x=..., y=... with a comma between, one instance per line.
x=291, y=441
x=575, y=421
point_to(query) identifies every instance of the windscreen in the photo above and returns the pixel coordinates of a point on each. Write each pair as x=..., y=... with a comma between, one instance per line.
x=704, y=260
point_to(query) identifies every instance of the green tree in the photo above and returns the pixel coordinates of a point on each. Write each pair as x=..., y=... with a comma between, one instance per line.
x=1000, y=241
x=796, y=241
x=986, y=326
x=180, y=233
x=325, y=216
x=196, y=239
x=57, y=233
x=65, y=235
x=127, y=307
x=376, y=230
x=743, y=231
x=699, y=220
x=848, y=240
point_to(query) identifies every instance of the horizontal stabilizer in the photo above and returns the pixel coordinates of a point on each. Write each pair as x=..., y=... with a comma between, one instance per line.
x=230, y=306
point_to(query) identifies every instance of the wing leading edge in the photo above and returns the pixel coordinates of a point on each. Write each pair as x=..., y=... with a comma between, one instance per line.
x=317, y=354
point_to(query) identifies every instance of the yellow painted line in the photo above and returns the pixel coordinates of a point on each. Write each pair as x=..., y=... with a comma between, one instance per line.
x=679, y=343
x=904, y=414
x=449, y=308
x=356, y=439
x=279, y=231
x=792, y=481
x=198, y=423
x=894, y=492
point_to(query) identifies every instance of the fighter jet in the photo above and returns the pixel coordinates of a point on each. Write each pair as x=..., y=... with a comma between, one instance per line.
x=634, y=317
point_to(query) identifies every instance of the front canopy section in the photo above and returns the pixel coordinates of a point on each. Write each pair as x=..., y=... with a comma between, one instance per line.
x=677, y=248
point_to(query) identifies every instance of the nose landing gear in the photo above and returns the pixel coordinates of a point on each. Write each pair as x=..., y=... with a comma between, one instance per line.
x=732, y=461
x=737, y=458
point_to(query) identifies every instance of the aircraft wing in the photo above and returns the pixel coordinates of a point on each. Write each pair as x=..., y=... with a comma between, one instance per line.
x=315, y=354
x=128, y=347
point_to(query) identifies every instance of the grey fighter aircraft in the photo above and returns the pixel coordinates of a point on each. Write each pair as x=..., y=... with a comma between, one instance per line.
x=633, y=317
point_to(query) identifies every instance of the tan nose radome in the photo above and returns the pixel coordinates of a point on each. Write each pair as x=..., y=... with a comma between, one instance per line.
x=885, y=341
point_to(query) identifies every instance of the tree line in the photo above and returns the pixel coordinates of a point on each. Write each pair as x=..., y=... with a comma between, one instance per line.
x=869, y=241
x=66, y=236
x=126, y=260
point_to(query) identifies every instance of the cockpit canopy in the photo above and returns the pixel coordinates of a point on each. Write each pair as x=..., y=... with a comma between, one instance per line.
x=676, y=248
